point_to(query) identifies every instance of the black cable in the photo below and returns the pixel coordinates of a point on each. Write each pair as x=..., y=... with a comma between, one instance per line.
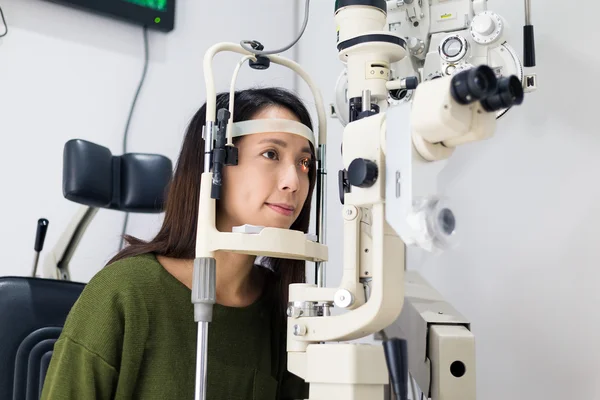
x=4, y=22
x=133, y=104
x=247, y=44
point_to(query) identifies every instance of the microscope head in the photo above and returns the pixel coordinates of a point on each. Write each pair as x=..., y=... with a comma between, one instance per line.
x=461, y=108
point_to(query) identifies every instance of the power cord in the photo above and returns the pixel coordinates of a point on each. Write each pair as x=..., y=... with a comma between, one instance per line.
x=4, y=23
x=249, y=45
x=133, y=104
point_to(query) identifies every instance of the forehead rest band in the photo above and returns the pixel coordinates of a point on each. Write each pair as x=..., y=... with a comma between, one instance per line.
x=272, y=125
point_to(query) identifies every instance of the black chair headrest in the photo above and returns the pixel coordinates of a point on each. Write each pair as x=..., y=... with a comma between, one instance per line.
x=132, y=182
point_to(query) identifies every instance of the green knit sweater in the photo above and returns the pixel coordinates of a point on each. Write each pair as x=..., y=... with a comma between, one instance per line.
x=132, y=335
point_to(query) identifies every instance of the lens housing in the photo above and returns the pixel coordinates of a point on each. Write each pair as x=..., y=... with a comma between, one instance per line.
x=446, y=221
x=473, y=84
x=509, y=93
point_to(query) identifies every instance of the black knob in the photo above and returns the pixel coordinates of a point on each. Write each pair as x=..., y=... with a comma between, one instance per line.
x=261, y=63
x=362, y=173
x=40, y=234
x=412, y=82
x=528, y=46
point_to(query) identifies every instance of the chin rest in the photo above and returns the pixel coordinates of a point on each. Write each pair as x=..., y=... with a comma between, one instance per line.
x=32, y=314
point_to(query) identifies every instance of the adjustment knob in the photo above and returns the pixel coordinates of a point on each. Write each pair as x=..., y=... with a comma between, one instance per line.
x=416, y=46
x=483, y=24
x=362, y=173
x=487, y=27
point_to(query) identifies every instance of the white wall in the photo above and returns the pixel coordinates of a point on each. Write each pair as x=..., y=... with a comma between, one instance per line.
x=67, y=74
x=526, y=273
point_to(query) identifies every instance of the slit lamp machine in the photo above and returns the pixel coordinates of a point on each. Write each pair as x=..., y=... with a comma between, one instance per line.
x=420, y=78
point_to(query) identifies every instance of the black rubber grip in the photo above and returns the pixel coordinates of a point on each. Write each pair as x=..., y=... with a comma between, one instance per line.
x=40, y=235
x=528, y=46
x=412, y=82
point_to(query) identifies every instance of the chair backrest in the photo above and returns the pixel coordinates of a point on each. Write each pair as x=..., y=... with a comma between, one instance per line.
x=33, y=310
x=133, y=182
x=32, y=314
x=93, y=177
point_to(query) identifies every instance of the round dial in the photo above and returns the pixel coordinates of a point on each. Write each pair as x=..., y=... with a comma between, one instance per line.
x=362, y=173
x=453, y=48
x=486, y=27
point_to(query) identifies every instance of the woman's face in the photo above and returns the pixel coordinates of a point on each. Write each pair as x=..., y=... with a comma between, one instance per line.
x=270, y=184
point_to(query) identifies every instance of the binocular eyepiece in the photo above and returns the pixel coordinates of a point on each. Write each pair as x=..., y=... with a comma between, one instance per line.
x=481, y=84
x=508, y=94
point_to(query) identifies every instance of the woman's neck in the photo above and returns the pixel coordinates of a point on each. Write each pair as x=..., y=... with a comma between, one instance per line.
x=238, y=279
x=239, y=282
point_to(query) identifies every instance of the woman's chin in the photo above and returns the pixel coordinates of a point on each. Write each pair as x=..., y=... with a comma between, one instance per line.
x=274, y=220
x=274, y=224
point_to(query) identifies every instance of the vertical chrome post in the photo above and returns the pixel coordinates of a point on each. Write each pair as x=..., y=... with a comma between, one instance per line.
x=527, y=12
x=202, y=361
x=203, y=298
x=320, y=276
x=366, y=100
x=36, y=259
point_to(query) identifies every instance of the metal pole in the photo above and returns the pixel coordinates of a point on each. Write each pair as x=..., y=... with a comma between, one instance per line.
x=203, y=298
x=320, y=275
x=202, y=361
x=366, y=100
x=35, y=264
x=527, y=12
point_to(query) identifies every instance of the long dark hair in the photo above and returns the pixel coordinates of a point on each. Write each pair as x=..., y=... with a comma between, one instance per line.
x=177, y=236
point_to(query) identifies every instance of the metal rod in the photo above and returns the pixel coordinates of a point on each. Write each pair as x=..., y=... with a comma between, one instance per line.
x=366, y=100
x=527, y=12
x=201, y=361
x=203, y=297
x=35, y=263
x=320, y=275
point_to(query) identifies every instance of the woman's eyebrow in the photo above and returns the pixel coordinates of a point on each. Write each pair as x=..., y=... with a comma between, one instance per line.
x=283, y=144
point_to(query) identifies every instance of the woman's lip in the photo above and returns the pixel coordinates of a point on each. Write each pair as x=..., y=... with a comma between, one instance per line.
x=281, y=210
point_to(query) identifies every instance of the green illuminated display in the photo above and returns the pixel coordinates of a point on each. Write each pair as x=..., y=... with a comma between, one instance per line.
x=160, y=5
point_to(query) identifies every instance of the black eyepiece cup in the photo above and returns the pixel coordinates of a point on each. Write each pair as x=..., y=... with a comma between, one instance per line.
x=473, y=84
x=508, y=94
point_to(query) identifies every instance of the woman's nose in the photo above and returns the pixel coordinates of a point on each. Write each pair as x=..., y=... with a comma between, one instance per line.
x=289, y=178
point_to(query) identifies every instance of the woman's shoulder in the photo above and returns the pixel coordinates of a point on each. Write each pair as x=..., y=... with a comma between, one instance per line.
x=122, y=288
x=142, y=269
x=128, y=278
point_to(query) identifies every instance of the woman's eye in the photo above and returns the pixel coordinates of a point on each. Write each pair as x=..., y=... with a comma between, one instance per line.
x=271, y=154
x=305, y=164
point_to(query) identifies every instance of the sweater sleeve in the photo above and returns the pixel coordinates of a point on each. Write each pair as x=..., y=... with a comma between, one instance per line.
x=77, y=373
x=101, y=347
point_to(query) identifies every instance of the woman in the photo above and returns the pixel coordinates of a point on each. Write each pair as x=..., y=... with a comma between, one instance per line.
x=132, y=334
